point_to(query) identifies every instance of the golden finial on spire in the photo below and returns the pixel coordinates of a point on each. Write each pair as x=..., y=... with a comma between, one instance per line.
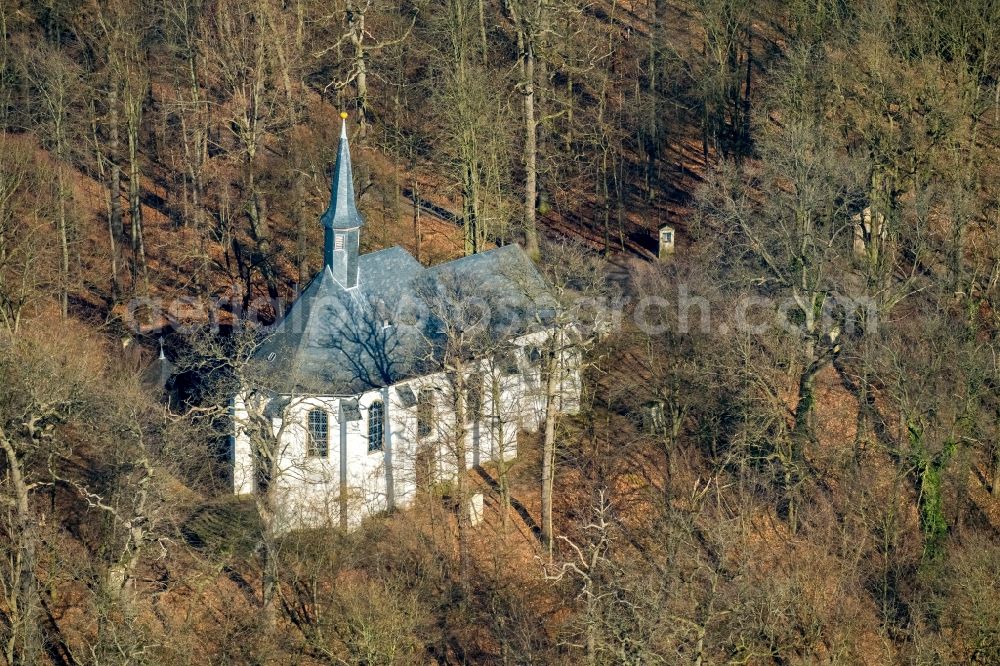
x=343, y=114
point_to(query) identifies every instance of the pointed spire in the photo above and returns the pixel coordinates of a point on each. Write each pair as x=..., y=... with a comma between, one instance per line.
x=342, y=212
x=163, y=355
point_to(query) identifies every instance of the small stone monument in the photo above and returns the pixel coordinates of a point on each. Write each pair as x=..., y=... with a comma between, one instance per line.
x=666, y=237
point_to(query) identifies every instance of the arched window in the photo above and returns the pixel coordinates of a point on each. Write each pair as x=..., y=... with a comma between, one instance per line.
x=425, y=414
x=319, y=433
x=376, y=426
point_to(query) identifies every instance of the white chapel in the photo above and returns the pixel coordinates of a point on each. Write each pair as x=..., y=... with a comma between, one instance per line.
x=354, y=403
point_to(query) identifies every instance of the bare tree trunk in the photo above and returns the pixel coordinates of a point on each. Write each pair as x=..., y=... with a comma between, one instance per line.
x=652, y=140
x=549, y=442
x=196, y=145
x=267, y=472
x=484, y=43
x=269, y=577
x=470, y=197
x=499, y=435
x=356, y=28
x=461, y=490
x=25, y=640
x=416, y=217
x=530, y=146
x=114, y=205
x=114, y=146
x=745, y=124
x=590, y=650
x=63, y=240
x=301, y=230
x=133, y=112
x=705, y=111
x=115, y=226
x=995, y=485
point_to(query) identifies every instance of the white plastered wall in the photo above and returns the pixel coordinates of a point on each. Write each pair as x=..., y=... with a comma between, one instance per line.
x=309, y=486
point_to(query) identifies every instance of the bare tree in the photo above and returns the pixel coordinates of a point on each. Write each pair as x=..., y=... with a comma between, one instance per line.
x=466, y=335
x=935, y=378
x=477, y=155
x=355, y=36
x=25, y=250
x=122, y=30
x=530, y=21
x=725, y=74
x=239, y=399
x=185, y=22
x=791, y=244
x=237, y=52
x=54, y=78
x=45, y=397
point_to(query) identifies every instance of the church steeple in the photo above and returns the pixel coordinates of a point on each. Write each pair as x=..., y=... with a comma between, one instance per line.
x=342, y=221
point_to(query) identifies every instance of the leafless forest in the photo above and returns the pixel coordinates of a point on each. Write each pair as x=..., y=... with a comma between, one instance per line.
x=789, y=450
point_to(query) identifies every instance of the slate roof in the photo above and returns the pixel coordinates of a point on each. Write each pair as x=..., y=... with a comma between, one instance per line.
x=334, y=341
x=342, y=213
